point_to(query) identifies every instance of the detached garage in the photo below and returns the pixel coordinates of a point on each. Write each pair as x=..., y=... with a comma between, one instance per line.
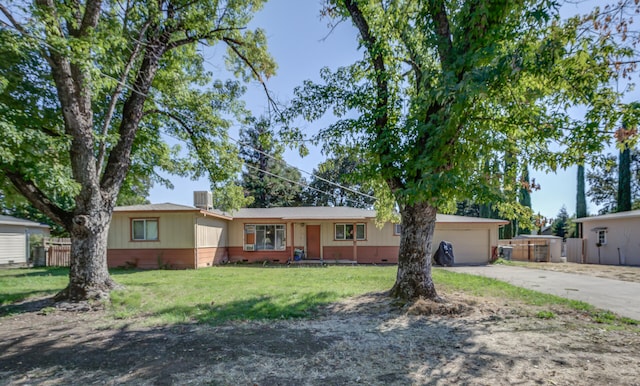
x=14, y=239
x=472, y=237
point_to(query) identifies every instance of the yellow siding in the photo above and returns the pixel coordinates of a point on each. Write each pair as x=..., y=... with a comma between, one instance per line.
x=175, y=230
x=211, y=232
x=374, y=235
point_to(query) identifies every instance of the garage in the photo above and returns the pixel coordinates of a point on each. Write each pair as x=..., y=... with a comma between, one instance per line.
x=14, y=238
x=14, y=248
x=470, y=246
x=473, y=238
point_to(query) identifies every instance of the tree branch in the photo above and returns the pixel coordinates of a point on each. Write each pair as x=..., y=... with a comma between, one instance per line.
x=39, y=200
x=116, y=95
x=232, y=44
x=383, y=144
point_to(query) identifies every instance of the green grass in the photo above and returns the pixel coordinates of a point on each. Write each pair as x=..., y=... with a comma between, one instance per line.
x=21, y=283
x=214, y=295
x=218, y=294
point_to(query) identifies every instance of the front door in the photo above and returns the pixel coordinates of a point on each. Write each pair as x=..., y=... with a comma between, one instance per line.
x=313, y=242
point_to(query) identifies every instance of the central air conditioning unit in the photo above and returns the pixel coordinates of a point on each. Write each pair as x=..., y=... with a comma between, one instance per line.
x=249, y=247
x=203, y=200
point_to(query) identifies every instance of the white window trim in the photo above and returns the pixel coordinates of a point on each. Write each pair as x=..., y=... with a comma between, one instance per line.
x=396, y=231
x=602, y=232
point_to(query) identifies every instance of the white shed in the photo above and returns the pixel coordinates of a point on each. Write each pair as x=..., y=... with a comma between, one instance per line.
x=14, y=238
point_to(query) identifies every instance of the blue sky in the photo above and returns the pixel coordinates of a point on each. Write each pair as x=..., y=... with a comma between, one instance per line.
x=302, y=44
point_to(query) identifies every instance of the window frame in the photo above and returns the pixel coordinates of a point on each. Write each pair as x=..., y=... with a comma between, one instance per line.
x=602, y=237
x=260, y=231
x=145, y=220
x=344, y=232
x=397, y=229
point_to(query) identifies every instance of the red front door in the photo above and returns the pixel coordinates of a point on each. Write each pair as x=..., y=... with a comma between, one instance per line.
x=313, y=242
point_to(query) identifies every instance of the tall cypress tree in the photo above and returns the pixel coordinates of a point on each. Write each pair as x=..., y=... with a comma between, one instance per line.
x=581, y=200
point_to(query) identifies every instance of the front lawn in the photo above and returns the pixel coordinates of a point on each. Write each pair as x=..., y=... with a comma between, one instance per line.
x=214, y=295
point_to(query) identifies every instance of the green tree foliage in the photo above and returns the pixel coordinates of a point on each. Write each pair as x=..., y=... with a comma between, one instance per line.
x=603, y=182
x=445, y=86
x=560, y=225
x=89, y=91
x=334, y=183
x=266, y=177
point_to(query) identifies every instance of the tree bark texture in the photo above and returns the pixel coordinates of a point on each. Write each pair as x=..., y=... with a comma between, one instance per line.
x=414, y=262
x=89, y=276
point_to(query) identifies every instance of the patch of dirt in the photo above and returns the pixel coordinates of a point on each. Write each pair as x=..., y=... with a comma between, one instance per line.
x=617, y=272
x=363, y=340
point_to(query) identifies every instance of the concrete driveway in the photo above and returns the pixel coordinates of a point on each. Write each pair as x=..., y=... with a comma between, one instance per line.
x=617, y=296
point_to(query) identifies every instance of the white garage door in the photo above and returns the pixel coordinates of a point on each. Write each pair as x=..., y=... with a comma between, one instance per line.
x=13, y=248
x=470, y=246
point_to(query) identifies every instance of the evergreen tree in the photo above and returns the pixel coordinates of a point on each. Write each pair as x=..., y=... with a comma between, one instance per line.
x=266, y=177
x=581, y=200
x=560, y=225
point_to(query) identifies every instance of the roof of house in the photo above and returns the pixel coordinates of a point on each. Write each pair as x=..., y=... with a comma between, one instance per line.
x=295, y=213
x=169, y=207
x=306, y=213
x=9, y=220
x=610, y=216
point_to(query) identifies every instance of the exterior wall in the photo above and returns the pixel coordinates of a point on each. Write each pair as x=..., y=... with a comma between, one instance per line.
x=175, y=231
x=174, y=258
x=623, y=241
x=13, y=247
x=14, y=242
x=211, y=232
x=207, y=257
x=380, y=247
x=237, y=254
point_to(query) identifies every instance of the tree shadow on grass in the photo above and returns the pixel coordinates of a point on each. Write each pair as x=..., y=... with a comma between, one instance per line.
x=255, y=308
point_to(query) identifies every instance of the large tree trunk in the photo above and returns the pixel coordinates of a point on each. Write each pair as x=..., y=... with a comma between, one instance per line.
x=414, y=262
x=89, y=277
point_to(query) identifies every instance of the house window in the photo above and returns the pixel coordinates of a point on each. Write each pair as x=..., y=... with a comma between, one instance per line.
x=144, y=229
x=345, y=231
x=602, y=237
x=397, y=229
x=264, y=237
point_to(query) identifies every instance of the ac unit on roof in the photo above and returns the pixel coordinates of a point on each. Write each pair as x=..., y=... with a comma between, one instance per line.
x=203, y=200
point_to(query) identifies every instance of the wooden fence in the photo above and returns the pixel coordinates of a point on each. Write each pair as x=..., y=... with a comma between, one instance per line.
x=58, y=252
x=527, y=250
x=575, y=251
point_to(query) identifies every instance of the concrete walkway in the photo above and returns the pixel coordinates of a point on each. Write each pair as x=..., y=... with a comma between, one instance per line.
x=620, y=297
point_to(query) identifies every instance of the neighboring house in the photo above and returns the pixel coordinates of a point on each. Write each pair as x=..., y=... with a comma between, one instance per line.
x=14, y=239
x=166, y=236
x=612, y=238
x=150, y=236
